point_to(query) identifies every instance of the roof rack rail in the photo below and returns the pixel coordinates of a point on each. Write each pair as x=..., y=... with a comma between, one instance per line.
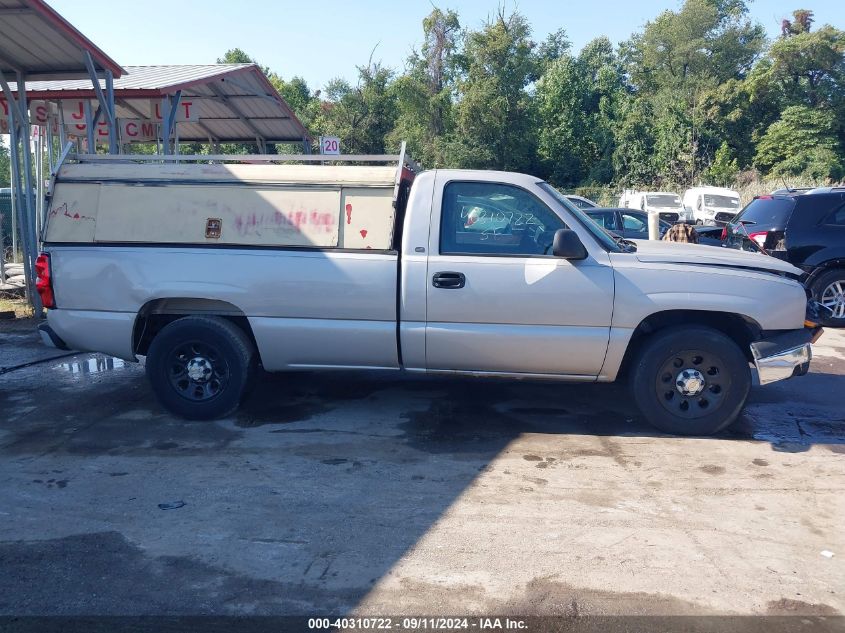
x=402, y=158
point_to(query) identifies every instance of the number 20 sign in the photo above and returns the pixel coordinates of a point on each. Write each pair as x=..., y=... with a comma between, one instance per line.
x=329, y=145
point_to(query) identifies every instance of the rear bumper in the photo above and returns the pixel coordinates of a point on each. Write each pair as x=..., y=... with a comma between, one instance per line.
x=784, y=355
x=50, y=338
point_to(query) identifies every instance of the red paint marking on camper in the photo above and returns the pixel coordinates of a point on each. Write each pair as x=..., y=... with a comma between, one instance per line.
x=254, y=222
x=65, y=212
x=348, y=213
x=363, y=232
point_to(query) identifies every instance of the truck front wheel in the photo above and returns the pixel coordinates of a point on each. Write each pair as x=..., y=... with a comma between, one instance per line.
x=690, y=380
x=200, y=367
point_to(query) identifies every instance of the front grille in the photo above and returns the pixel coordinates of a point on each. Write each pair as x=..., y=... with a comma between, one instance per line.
x=724, y=217
x=669, y=217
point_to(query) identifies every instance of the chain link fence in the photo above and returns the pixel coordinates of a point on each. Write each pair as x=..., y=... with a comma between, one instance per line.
x=6, y=223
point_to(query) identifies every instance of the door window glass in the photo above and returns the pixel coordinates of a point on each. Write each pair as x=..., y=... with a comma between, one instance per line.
x=633, y=223
x=483, y=218
x=837, y=217
x=605, y=219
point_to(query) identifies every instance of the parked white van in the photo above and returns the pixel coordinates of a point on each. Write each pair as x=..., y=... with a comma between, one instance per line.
x=711, y=205
x=667, y=204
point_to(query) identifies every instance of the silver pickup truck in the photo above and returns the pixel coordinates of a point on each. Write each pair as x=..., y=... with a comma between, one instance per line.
x=211, y=271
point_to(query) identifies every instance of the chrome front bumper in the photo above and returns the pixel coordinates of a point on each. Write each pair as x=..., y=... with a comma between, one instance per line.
x=783, y=356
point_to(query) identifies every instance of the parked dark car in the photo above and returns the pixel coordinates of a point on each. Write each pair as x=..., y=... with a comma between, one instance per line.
x=628, y=223
x=633, y=225
x=581, y=202
x=709, y=235
x=806, y=230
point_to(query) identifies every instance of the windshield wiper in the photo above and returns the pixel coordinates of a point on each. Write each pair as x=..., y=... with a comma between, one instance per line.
x=629, y=245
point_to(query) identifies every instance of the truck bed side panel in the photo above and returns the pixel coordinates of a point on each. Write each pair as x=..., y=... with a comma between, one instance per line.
x=326, y=308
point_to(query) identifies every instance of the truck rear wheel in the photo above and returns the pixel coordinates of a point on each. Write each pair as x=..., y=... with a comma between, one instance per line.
x=690, y=380
x=200, y=367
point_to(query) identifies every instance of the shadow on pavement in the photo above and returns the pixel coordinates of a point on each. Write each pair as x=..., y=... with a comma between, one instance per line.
x=319, y=485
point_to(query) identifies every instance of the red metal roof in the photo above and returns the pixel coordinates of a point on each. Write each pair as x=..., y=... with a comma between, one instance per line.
x=38, y=41
x=236, y=102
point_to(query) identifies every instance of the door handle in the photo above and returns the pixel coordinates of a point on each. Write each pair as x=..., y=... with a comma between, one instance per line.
x=448, y=280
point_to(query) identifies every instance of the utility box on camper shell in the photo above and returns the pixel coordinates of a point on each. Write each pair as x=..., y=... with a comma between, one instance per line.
x=233, y=205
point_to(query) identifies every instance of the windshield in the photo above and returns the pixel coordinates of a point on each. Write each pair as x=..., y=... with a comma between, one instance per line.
x=604, y=238
x=722, y=202
x=767, y=212
x=664, y=200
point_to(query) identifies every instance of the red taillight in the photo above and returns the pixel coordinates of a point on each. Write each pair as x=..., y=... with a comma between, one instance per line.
x=724, y=234
x=44, y=281
x=759, y=238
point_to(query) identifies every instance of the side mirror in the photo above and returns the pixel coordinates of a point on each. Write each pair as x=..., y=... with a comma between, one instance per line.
x=568, y=245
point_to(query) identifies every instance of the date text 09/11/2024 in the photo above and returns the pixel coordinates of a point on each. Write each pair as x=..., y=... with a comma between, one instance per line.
x=419, y=623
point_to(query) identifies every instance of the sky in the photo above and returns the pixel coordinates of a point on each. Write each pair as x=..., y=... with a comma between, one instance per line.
x=323, y=39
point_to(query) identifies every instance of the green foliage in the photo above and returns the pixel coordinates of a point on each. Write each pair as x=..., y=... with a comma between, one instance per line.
x=801, y=143
x=424, y=92
x=362, y=115
x=696, y=94
x=577, y=101
x=5, y=166
x=725, y=167
x=494, y=123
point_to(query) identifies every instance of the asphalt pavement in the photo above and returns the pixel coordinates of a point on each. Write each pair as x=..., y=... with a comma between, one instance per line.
x=355, y=493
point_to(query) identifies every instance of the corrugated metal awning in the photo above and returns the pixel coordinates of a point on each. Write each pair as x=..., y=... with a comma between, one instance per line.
x=235, y=102
x=36, y=40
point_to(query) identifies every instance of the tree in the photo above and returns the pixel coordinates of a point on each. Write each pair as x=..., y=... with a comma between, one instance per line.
x=424, y=92
x=494, y=126
x=5, y=166
x=361, y=115
x=801, y=143
x=807, y=67
x=802, y=23
x=577, y=102
x=633, y=158
x=678, y=63
x=725, y=168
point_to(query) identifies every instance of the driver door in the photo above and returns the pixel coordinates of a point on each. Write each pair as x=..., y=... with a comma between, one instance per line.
x=497, y=300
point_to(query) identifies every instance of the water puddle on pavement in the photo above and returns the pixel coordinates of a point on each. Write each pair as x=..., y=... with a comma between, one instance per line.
x=95, y=365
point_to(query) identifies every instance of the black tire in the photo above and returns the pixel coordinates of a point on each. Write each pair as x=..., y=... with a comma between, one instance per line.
x=683, y=356
x=201, y=367
x=823, y=283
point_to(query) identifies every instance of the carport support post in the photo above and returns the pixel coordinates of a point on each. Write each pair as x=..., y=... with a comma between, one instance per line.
x=168, y=118
x=89, y=127
x=106, y=100
x=22, y=182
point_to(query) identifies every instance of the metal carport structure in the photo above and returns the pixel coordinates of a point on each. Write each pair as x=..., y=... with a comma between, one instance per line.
x=38, y=43
x=210, y=103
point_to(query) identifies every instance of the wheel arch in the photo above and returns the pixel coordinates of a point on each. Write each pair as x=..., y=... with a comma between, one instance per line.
x=740, y=328
x=824, y=267
x=155, y=314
